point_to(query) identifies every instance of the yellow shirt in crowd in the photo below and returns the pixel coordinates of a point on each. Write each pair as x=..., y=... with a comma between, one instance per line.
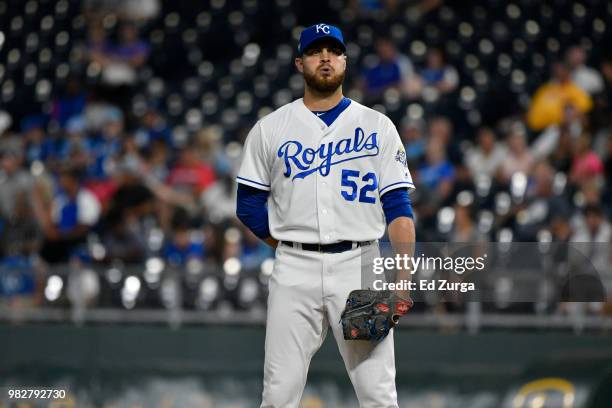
x=549, y=101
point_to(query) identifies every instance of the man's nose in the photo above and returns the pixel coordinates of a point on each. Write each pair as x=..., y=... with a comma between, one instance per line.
x=324, y=54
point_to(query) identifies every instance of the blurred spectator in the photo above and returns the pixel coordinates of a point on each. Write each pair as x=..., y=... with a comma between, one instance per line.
x=156, y=160
x=209, y=144
x=541, y=181
x=139, y=9
x=15, y=182
x=130, y=54
x=37, y=146
x=603, y=101
x=190, y=173
x=231, y=247
x=72, y=213
x=98, y=48
x=595, y=233
x=153, y=127
x=123, y=229
x=587, y=78
x=253, y=250
x=592, y=226
x=464, y=227
x=463, y=182
x=5, y=122
x=219, y=200
x=487, y=156
x=437, y=174
x=518, y=158
x=118, y=63
x=608, y=176
x=105, y=145
x=393, y=69
x=97, y=114
x=18, y=282
x=19, y=234
x=551, y=98
x=131, y=49
x=377, y=8
x=541, y=204
x=61, y=146
x=590, y=192
x=437, y=74
x=412, y=133
x=441, y=128
x=561, y=230
x=562, y=156
x=124, y=9
x=123, y=239
x=606, y=69
x=586, y=164
x=601, y=137
x=572, y=124
x=130, y=152
x=131, y=198
x=368, y=7
x=70, y=103
x=76, y=143
x=179, y=190
x=96, y=9
x=182, y=245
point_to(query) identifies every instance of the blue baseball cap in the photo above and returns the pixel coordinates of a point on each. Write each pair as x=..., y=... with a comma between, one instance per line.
x=318, y=31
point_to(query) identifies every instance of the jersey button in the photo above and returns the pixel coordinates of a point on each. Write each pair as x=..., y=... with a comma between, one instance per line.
x=327, y=237
x=323, y=184
x=324, y=211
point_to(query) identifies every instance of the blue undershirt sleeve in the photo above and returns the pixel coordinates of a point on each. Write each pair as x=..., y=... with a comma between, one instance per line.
x=396, y=203
x=251, y=209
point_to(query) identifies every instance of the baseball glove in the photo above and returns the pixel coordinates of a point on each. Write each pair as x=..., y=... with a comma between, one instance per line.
x=371, y=314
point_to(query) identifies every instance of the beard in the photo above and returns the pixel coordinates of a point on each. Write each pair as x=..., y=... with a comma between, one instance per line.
x=323, y=84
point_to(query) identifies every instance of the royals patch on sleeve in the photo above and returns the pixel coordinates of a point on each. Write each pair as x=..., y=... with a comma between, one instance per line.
x=400, y=156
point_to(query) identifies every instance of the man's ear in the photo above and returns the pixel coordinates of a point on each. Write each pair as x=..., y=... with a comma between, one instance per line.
x=299, y=64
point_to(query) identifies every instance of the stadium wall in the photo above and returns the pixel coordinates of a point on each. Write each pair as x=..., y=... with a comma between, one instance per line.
x=223, y=363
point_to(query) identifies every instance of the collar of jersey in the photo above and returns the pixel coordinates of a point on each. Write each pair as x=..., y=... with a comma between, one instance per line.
x=318, y=123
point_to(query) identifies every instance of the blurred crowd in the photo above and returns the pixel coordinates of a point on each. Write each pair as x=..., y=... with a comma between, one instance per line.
x=88, y=179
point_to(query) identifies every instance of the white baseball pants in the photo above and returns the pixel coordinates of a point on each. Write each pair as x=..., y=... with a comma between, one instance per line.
x=308, y=291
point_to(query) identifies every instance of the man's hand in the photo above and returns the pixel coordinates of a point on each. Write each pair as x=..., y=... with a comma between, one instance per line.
x=271, y=241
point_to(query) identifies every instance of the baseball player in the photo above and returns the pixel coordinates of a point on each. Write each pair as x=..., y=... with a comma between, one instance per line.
x=320, y=179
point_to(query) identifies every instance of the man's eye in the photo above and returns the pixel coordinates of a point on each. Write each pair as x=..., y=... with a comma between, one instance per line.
x=316, y=51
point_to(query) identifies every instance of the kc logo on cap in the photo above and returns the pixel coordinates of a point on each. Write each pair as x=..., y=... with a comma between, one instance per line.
x=322, y=28
x=318, y=31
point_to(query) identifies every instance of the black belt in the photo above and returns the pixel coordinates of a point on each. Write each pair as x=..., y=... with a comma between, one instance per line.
x=328, y=248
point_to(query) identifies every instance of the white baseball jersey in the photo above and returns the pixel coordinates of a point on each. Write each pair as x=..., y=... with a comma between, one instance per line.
x=325, y=181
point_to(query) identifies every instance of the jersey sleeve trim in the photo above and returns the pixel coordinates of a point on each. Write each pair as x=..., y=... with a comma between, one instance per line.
x=396, y=185
x=252, y=183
